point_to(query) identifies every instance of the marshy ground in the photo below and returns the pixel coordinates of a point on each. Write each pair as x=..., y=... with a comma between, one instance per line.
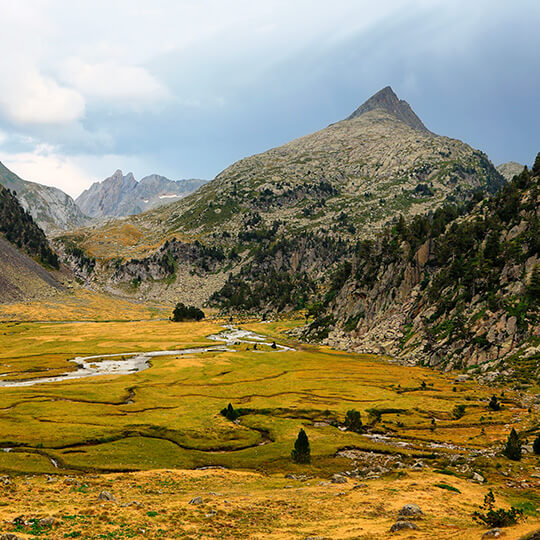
x=140, y=435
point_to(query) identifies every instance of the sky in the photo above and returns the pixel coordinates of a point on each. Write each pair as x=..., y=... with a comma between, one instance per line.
x=184, y=88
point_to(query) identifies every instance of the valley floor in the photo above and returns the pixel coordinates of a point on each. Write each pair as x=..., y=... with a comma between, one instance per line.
x=140, y=436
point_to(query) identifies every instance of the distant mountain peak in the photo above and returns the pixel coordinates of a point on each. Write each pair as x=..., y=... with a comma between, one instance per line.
x=120, y=195
x=387, y=100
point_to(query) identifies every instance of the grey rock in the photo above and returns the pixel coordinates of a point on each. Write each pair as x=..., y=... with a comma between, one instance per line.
x=402, y=525
x=411, y=511
x=52, y=209
x=10, y=536
x=196, y=500
x=493, y=533
x=476, y=477
x=49, y=521
x=338, y=479
x=106, y=496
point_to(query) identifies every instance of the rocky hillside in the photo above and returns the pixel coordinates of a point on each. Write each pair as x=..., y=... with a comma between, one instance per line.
x=52, y=209
x=353, y=177
x=458, y=288
x=510, y=169
x=121, y=195
x=26, y=256
x=19, y=228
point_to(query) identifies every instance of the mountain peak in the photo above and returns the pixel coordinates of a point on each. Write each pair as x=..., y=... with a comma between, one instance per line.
x=387, y=100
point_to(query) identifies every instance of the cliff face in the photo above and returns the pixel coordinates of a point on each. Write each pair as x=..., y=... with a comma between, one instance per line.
x=52, y=209
x=454, y=290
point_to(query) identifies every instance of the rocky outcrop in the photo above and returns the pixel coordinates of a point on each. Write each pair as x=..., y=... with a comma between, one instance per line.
x=510, y=169
x=450, y=292
x=121, y=195
x=387, y=100
x=52, y=209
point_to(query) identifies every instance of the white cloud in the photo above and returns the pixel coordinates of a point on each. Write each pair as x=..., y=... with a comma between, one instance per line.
x=28, y=97
x=46, y=167
x=109, y=80
x=72, y=174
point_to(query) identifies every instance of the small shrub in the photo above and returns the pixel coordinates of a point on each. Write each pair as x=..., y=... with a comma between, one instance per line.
x=448, y=487
x=496, y=517
x=301, y=452
x=459, y=411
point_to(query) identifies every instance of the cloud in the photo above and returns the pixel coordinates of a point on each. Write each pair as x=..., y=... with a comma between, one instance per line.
x=189, y=86
x=111, y=81
x=47, y=167
x=28, y=97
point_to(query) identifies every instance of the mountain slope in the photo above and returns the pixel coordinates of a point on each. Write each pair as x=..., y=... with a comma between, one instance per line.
x=22, y=243
x=345, y=182
x=51, y=208
x=453, y=290
x=121, y=195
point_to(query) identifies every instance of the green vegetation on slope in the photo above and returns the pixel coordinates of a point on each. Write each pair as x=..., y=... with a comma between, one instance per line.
x=20, y=229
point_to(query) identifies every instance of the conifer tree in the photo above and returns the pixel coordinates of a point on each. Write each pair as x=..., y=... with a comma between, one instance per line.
x=494, y=404
x=301, y=452
x=536, y=166
x=512, y=449
x=536, y=446
x=353, y=421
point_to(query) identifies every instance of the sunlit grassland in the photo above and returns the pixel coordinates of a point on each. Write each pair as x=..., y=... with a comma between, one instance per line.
x=81, y=304
x=169, y=415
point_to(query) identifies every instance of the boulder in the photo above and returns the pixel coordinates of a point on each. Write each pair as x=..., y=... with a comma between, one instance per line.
x=411, y=511
x=10, y=536
x=478, y=478
x=106, y=496
x=48, y=521
x=196, y=500
x=338, y=479
x=403, y=525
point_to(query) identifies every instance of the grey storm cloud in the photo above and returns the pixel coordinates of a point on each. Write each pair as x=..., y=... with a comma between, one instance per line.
x=185, y=88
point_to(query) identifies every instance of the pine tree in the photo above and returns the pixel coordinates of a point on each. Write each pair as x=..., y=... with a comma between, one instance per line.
x=230, y=413
x=301, y=452
x=536, y=446
x=512, y=449
x=494, y=404
x=533, y=288
x=536, y=166
x=353, y=421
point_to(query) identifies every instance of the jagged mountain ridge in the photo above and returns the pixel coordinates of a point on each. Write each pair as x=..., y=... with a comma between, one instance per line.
x=121, y=195
x=353, y=177
x=52, y=209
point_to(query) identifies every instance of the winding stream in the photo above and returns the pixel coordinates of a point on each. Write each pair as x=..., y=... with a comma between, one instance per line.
x=126, y=363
